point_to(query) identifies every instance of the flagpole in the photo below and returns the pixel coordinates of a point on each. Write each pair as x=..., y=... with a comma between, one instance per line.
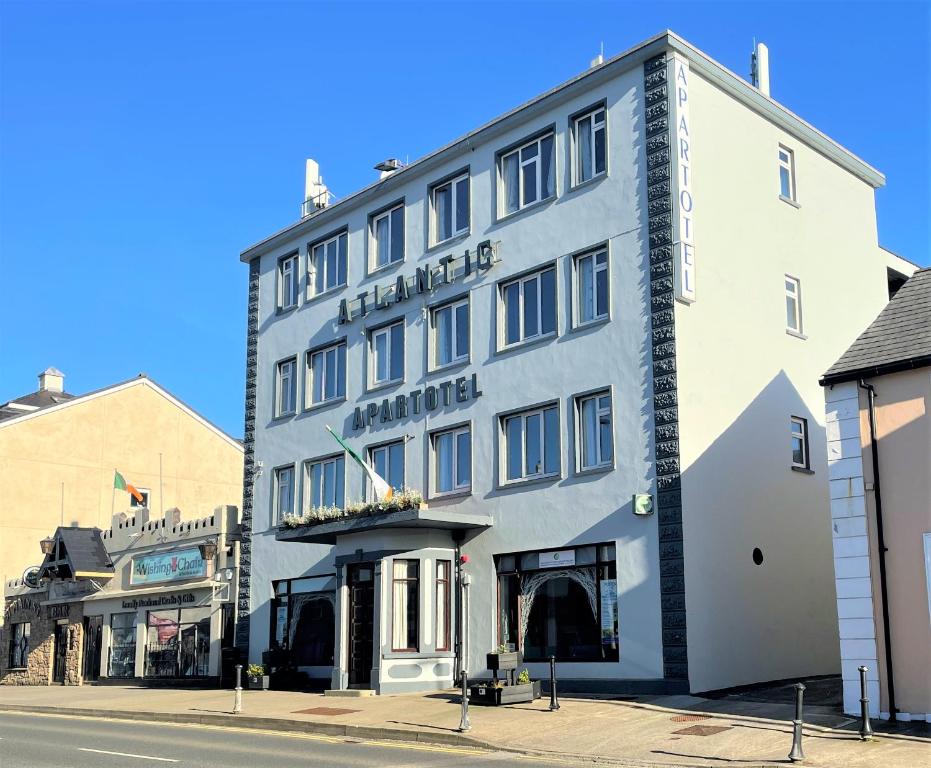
x=62, y=503
x=112, y=495
x=161, y=496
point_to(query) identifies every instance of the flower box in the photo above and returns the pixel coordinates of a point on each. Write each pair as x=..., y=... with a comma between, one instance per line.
x=399, y=502
x=487, y=694
x=502, y=662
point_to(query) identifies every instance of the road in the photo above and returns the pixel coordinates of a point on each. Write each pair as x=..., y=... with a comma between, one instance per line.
x=51, y=741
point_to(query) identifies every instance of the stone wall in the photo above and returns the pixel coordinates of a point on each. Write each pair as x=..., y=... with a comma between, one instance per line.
x=38, y=670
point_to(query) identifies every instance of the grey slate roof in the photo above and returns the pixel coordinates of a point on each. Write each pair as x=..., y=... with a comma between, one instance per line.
x=84, y=551
x=897, y=340
x=35, y=401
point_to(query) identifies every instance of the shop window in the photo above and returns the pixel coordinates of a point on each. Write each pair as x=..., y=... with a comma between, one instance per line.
x=304, y=621
x=443, y=573
x=122, y=645
x=561, y=604
x=19, y=645
x=177, y=643
x=405, y=605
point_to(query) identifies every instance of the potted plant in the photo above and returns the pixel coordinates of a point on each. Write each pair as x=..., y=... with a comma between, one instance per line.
x=503, y=659
x=524, y=679
x=258, y=680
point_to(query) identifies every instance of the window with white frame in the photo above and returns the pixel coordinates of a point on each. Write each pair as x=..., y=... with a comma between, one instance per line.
x=284, y=492
x=143, y=502
x=286, y=387
x=449, y=325
x=529, y=306
x=594, y=431
x=528, y=174
x=287, y=281
x=786, y=173
x=327, y=264
x=326, y=375
x=590, y=140
x=324, y=483
x=405, y=599
x=531, y=444
x=591, y=287
x=452, y=460
x=450, y=201
x=793, y=304
x=388, y=461
x=799, y=427
x=387, y=237
x=386, y=354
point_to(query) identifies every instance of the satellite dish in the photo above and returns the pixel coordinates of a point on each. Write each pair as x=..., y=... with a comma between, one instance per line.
x=31, y=576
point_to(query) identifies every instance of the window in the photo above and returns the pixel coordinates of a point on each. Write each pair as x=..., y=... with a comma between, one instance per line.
x=326, y=266
x=284, y=492
x=326, y=375
x=528, y=174
x=324, y=483
x=595, y=439
x=303, y=619
x=404, y=594
x=529, y=306
x=799, y=427
x=531, y=444
x=19, y=645
x=122, y=645
x=590, y=145
x=287, y=282
x=786, y=173
x=452, y=452
x=286, y=387
x=591, y=285
x=443, y=572
x=386, y=354
x=387, y=237
x=450, y=208
x=134, y=502
x=793, y=305
x=561, y=604
x=449, y=325
x=388, y=462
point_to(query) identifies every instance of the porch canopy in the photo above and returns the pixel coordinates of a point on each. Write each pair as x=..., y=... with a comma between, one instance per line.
x=327, y=532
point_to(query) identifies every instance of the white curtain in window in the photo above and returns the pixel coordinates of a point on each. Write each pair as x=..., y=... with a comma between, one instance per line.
x=401, y=599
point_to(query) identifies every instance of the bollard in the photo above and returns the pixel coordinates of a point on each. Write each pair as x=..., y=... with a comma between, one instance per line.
x=554, y=702
x=464, y=724
x=796, y=754
x=866, y=730
x=237, y=701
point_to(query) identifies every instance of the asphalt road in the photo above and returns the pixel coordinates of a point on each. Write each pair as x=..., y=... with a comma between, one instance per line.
x=46, y=741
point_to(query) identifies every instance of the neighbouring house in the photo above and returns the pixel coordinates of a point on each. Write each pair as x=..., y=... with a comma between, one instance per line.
x=878, y=421
x=589, y=334
x=60, y=454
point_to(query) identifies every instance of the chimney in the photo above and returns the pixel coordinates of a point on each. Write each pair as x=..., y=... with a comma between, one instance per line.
x=51, y=380
x=387, y=167
x=759, y=68
x=316, y=195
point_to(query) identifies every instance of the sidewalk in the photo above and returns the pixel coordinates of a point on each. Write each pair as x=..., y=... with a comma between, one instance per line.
x=671, y=730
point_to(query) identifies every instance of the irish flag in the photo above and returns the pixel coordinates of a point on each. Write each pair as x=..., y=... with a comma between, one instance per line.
x=383, y=491
x=121, y=485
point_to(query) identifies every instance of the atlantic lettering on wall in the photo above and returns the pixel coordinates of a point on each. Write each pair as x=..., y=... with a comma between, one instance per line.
x=426, y=278
x=429, y=398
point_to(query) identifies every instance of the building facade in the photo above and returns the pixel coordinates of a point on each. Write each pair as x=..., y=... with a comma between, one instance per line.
x=878, y=396
x=582, y=333
x=150, y=600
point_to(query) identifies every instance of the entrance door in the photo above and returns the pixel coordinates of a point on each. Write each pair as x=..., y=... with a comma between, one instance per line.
x=61, y=651
x=361, y=624
x=93, y=635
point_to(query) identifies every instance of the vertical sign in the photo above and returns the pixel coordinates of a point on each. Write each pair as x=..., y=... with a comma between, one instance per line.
x=609, y=629
x=681, y=156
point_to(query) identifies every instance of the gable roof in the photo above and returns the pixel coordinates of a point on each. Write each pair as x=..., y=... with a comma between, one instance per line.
x=82, y=555
x=899, y=339
x=32, y=402
x=141, y=380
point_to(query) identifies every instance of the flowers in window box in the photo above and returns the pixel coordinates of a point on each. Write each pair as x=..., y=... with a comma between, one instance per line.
x=404, y=500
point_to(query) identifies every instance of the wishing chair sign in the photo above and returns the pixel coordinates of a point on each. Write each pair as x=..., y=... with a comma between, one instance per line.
x=168, y=566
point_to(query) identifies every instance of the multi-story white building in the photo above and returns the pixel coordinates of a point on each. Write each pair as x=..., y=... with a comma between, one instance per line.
x=590, y=332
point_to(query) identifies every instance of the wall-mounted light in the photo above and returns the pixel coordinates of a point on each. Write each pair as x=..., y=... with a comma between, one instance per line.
x=208, y=549
x=642, y=504
x=48, y=545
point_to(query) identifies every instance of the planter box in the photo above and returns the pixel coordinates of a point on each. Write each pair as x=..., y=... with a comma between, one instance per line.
x=257, y=683
x=501, y=662
x=494, y=696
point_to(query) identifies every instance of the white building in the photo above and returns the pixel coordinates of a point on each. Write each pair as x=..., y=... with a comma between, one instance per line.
x=636, y=283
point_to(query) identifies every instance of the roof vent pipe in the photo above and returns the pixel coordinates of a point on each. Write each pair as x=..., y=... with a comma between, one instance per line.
x=759, y=68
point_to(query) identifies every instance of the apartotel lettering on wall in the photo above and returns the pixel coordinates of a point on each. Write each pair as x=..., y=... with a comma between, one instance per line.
x=683, y=223
x=169, y=566
x=431, y=397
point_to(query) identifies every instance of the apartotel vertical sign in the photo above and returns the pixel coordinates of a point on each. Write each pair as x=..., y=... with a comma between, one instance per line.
x=683, y=199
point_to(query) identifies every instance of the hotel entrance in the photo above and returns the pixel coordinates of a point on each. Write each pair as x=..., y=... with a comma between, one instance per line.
x=361, y=579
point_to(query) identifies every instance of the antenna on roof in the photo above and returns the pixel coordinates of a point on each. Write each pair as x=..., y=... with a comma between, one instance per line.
x=600, y=58
x=759, y=67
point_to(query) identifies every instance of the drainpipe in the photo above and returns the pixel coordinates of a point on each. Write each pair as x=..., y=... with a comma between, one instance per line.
x=881, y=542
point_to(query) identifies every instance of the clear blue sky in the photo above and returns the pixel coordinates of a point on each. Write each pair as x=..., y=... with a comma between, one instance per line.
x=143, y=145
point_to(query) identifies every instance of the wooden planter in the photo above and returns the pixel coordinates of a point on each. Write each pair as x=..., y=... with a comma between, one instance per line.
x=502, y=662
x=259, y=683
x=495, y=696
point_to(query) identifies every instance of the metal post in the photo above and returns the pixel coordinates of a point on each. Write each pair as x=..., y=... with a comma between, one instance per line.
x=796, y=754
x=866, y=730
x=464, y=724
x=554, y=703
x=237, y=702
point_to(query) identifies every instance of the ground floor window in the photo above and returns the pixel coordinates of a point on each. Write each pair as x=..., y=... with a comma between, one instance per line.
x=19, y=645
x=178, y=642
x=560, y=603
x=404, y=604
x=304, y=620
x=122, y=645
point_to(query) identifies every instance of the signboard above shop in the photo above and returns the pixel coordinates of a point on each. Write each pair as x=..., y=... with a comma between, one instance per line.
x=168, y=566
x=563, y=559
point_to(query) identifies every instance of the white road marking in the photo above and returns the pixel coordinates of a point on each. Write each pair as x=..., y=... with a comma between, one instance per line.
x=127, y=754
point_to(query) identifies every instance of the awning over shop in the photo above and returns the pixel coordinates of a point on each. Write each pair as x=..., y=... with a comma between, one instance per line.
x=76, y=553
x=327, y=532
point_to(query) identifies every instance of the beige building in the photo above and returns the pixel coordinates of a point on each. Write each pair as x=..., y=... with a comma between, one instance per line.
x=59, y=453
x=879, y=457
